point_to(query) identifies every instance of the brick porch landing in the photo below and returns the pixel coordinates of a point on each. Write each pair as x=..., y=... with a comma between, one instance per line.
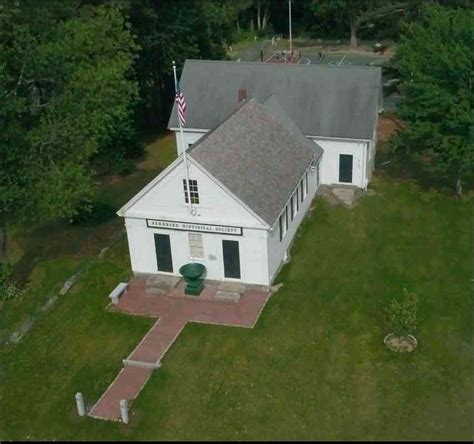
x=174, y=310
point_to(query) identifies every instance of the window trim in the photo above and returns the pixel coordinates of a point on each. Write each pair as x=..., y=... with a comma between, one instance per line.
x=280, y=221
x=201, y=247
x=194, y=195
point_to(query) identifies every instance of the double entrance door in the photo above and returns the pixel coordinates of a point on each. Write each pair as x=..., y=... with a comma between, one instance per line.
x=230, y=254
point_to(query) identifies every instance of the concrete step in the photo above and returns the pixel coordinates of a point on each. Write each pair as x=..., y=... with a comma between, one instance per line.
x=161, y=284
x=228, y=296
x=141, y=364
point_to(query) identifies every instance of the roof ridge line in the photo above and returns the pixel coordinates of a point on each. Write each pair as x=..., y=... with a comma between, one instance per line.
x=312, y=65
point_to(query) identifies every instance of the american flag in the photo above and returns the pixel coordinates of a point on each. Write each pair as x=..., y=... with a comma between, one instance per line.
x=181, y=105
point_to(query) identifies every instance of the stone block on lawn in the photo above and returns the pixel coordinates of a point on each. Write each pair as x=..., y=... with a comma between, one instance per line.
x=68, y=284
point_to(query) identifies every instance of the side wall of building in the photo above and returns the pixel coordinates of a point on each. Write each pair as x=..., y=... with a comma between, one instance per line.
x=363, y=159
x=330, y=162
x=277, y=249
x=190, y=137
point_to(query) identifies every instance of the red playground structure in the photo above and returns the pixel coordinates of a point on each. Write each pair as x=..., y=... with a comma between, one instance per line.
x=284, y=57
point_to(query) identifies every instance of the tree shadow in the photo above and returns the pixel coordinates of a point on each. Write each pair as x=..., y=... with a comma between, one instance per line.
x=404, y=167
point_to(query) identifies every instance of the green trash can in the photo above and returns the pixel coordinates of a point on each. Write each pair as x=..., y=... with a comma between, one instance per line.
x=193, y=274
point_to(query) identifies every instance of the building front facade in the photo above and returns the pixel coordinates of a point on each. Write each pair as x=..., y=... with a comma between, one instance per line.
x=222, y=231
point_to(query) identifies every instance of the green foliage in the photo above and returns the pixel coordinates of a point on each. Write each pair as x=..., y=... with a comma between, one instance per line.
x=67, y=90
x=175, y=30
x=5, y=271
x=434, y=61
x=402, y=313
x=9, y=290
x=341, y=17
x=93, y=213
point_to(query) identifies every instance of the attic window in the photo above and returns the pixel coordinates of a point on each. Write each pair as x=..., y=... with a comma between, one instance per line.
x=193, y=191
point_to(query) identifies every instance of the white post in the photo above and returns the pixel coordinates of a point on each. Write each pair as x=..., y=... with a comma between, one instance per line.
x=183, y=149
x=289, y=19
x=81, y=407
x=124, y=411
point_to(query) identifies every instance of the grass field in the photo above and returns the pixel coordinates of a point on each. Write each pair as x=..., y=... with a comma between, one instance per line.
x=314, y=367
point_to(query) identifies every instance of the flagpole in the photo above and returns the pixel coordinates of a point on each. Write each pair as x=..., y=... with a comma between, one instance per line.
x=183, y=149
x=289, y=20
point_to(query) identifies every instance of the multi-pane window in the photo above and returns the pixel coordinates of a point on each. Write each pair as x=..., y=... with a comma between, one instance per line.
x=292, y=208
x=195, y=245
x=193, y=191
x=297, y=200
x=280, y=221
x=301, y=190
x=294, y=202
x=283, y=222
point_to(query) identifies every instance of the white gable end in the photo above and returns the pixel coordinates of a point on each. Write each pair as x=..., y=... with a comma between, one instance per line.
x=165, y=200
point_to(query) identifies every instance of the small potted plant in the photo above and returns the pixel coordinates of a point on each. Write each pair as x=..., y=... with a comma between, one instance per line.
x=402, y=317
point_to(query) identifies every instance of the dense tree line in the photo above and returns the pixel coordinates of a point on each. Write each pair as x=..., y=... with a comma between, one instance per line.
x=80, y=78
x=434, y=61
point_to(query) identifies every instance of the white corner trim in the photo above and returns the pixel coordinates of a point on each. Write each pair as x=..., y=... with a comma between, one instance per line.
x=189, y=130
x=342, y=139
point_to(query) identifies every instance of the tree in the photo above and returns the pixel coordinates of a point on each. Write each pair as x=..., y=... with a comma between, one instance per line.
x=434, y=61
x=353, y=14
x=176, y=30
x=66, y=91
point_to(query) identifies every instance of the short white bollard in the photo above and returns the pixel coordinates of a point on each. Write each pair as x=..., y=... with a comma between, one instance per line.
x=81, y=407
x=124, y=410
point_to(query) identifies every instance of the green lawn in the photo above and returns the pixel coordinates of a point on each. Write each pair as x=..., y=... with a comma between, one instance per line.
x=314, y=367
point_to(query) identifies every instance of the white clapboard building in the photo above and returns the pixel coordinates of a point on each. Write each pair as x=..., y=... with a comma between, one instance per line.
x=260, y=139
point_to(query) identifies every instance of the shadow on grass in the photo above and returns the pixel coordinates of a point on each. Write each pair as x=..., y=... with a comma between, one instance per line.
x=401, y=166
x=35, y=243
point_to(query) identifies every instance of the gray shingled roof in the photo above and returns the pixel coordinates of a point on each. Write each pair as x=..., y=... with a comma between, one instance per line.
x=322, y=100
x=258, y=155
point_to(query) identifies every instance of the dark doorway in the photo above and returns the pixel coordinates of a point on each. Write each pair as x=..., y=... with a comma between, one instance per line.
x=164, y=262
x=231, y=255
x=345, y=168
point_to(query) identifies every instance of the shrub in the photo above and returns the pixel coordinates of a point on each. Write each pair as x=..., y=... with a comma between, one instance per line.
x=11, y=291
x=93, y=213
x=8, y=289
x=402, y=313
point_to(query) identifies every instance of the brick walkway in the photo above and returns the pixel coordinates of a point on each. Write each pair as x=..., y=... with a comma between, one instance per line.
x=174, y=311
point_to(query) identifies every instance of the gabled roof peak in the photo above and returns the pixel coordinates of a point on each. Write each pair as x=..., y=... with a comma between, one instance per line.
x=259, y=155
